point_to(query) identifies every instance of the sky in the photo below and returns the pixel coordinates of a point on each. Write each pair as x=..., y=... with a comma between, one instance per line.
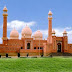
x=34, y=13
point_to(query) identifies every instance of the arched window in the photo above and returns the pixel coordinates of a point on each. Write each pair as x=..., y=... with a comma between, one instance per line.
x=21, y=47
x=28, y=45
x=40, y=47
x=34, y=47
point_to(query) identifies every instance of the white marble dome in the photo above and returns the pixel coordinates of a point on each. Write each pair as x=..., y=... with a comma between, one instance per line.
x=38, y=35
x=26, y=32
x=14, y=34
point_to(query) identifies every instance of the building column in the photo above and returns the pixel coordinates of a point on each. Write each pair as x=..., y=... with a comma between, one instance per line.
x=4, y=25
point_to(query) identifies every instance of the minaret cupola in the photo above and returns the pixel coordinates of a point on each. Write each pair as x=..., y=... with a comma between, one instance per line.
x=64, y=33
x=50, y=15
x=5, y=11
x=53, y=32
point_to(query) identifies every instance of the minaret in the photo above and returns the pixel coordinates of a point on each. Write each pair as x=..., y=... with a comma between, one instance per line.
x=65, y=41
x=54, y=45
x=5, y=23
x=49, y=24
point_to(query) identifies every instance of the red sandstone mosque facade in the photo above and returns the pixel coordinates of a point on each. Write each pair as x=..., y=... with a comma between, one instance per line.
x=35, y=45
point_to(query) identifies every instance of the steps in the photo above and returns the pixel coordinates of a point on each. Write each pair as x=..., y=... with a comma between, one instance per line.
x=61, y=54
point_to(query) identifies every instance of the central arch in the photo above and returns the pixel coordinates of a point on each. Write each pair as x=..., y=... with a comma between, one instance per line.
x=59, y=47
x=28, y=45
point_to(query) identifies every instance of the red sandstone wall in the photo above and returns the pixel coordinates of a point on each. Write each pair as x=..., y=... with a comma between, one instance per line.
x=54, y=44
x=36, y=43
x=47, y=49
x=30, y=51
x=69, y=48
x=11, y=46
x=14, y=46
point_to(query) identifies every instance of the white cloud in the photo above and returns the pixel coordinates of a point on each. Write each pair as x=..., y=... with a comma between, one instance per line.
x=0, y=40
x=68, y=28
x=19, y=35
x=70, y=36
x=59, y=32
x=19, y=24
x=44, y=32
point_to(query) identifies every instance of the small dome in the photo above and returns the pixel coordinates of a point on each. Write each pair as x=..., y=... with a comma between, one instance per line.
x=27, y=32
x=38, y=35
x=14, y=34
x=53, y=32
x=64, y=32
x=50, y=13
x=5, y=9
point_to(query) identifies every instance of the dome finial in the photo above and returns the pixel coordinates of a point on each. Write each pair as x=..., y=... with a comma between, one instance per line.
x=5, y=9
x=44, y=38
x=14, y=26
x=64, y=31
x=50, y=13
x=26, y=24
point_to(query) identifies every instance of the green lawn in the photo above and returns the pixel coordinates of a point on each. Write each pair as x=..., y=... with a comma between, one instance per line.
x=56, y=64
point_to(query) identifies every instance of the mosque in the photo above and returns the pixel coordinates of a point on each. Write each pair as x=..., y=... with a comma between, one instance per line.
x=34, y=45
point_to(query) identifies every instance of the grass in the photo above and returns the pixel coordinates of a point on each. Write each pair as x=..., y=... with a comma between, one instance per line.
x=56, y=64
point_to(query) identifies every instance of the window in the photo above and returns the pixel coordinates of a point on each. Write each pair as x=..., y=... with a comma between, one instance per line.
x=40, y=48
x=34, y=47
x=21, y=47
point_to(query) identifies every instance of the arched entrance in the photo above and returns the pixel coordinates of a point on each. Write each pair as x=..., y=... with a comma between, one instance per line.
x=18, y=54
x=59, y=47
x=28, y=45
x=6, y=55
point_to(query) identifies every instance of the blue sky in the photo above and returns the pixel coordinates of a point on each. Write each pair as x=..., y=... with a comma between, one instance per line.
x=36, y=11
